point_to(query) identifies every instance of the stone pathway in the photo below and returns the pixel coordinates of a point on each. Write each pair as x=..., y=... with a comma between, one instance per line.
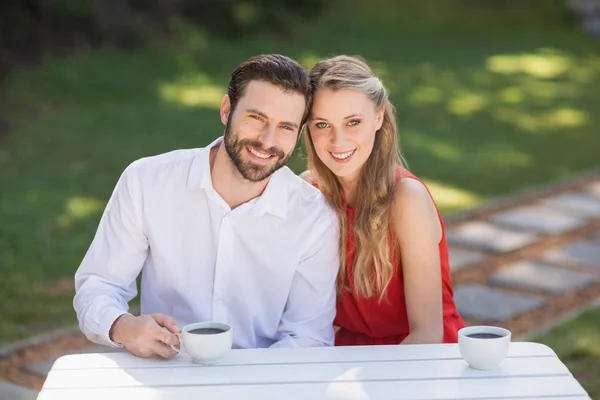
x=588, y=13
x=523, y=262
x=526, y=263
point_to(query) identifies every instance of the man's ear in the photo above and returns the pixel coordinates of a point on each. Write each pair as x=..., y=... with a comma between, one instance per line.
x=225, y=109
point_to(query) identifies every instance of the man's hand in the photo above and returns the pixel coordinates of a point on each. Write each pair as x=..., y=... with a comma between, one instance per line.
x=146, y=336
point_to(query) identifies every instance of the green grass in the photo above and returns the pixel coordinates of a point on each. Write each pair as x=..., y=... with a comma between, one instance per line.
x=576, y=343
x=486, y=107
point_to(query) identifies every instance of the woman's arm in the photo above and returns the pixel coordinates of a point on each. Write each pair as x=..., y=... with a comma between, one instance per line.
x=417, y=227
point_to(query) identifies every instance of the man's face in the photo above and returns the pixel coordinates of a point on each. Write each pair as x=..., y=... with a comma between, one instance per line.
x=262, y=132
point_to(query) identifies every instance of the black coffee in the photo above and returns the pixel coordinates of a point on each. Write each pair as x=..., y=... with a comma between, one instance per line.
x=206, y=331
x=484, y=336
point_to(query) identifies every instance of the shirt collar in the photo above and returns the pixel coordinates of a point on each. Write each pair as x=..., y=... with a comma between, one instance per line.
x=199, y=175
x=273, y=200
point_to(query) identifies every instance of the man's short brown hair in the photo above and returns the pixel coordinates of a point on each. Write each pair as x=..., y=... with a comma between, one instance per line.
x=276, y=69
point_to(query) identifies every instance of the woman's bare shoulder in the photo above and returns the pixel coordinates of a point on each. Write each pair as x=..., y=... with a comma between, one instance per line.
x=307, y=176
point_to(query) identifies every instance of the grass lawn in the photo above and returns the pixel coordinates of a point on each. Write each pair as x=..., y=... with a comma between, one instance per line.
x=576, y=343
x=486, y=108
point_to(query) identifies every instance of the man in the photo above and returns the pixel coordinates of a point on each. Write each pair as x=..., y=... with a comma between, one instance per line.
x=223, y=233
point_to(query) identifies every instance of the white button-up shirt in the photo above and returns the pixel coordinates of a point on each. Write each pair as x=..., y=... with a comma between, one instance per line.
x=267, y=267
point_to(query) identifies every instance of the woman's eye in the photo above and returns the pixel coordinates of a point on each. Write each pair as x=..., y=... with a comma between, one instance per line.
x=321, y=125
x=354, y=122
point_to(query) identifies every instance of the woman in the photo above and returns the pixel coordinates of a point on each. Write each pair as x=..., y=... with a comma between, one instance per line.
x=394, y=282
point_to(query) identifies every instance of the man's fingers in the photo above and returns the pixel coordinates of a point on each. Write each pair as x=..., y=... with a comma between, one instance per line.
x=166, y=322
x=167, y=338
x=177, y=342
x=143, y=351
x=153, y=346
x=163, y=350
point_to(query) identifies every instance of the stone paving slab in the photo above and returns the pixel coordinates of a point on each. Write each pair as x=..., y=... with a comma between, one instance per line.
x=585, y=6
x=43, y=367
x=585, y=253
x=484, y=236
x=493, y=305
x=463, y=258
x=581, y=204
x=530, y=275
x=10, y=391
x=592, y=26
x=594, y=189
x=538, y=219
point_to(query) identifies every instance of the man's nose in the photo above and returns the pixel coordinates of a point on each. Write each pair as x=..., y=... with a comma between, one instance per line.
x=267, y=137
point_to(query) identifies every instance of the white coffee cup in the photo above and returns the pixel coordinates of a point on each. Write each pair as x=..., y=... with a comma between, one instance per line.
x=203, y=344
x=484, y=347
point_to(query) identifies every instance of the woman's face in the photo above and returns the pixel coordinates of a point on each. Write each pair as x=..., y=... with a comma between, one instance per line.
x=343, y=126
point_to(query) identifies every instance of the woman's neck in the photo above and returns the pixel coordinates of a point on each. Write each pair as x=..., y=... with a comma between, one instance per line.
x=349, y=185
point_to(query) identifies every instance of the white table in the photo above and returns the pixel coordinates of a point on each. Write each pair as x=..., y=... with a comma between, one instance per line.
x=372, y=372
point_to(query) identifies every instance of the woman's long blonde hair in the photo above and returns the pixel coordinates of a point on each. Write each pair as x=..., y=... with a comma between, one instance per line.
x=373, y=264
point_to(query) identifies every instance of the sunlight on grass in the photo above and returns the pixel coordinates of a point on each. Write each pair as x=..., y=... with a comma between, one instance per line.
x=511, y=95
x=445, y=151
x=582, y=74
x=502, y=156
x=451, y=198
x=466, y=104
x=441, y=149
x=554, y=119
x=422, y=95
x=545, y=64
x=532, y=92
x=549, y=90
x=193, y=91
x=566, y=117
x=79, y=208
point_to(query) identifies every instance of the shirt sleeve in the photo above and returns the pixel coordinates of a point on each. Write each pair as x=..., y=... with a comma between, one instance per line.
x=307, y=319
x=105, y=281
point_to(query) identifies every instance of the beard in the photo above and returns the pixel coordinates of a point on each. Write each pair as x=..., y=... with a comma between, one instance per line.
x=252, y=172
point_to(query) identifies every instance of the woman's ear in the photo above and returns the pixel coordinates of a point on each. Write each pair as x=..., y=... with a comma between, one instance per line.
x=379, y=118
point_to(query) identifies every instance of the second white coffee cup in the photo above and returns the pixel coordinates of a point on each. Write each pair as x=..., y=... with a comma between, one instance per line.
x=484, y=347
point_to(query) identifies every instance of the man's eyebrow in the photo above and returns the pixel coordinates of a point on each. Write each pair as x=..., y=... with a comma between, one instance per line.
x=262, y=114
x=254, y=111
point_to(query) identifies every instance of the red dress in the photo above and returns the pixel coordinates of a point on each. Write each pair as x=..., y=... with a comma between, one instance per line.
x=366, y=321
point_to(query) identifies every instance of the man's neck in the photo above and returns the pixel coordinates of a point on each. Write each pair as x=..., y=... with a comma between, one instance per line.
x=228, y=182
